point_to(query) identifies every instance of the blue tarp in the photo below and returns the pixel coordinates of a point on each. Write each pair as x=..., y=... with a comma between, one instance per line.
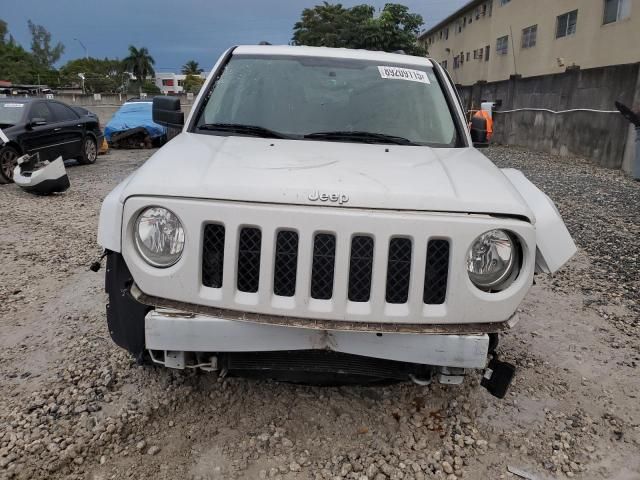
x=133, y=115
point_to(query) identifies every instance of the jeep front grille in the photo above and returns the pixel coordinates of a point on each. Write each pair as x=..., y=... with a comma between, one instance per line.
x=286, y=265
x=398, y=270
x=436, y=272
x=360, y=268
x=322, y=271
x=249, y=260
x=213, y=256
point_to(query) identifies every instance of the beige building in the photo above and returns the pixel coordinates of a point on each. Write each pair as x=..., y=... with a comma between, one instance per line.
x=491, y=40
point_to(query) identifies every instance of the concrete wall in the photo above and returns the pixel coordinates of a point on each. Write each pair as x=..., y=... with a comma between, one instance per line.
x=592, y=45
x=601, y=137
x=108, y=104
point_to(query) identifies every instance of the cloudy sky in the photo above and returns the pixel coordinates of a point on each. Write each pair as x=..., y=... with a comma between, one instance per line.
x=179, y=30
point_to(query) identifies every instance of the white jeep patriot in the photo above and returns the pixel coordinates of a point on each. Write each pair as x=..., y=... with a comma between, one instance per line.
x=324, y=212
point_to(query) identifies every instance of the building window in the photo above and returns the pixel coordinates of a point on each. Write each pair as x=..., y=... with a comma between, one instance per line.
x=180, y=83
x=487, y=50
x=480, y=50
x=504, y=2
x=167, y=83
x=529, y=36
x=444, y=64
x=446, y=33
x=566, y=24
x=456, y=62
x=467, y=56
x=502, y=45
x=616, y=10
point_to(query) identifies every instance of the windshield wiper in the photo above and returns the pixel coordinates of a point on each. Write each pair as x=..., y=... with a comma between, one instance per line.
x=365, y=137
x=252, y=130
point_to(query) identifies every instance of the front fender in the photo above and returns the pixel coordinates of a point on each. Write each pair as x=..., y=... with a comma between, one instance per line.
x=110, y=224
x=554, y=245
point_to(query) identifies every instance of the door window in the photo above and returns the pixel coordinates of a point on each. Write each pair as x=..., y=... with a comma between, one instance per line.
x=62, y=113
x=41, y=110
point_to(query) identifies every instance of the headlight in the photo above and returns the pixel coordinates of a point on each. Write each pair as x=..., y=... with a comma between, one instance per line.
x=492, y=259
x=159, y=237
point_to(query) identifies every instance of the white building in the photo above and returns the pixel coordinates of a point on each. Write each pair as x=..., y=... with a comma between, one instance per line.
x=172, y=83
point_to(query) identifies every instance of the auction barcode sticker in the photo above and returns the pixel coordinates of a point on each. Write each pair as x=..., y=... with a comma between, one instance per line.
x=399, y=73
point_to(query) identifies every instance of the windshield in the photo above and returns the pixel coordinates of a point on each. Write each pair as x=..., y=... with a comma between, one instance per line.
x=11, y=113
x=297, y=97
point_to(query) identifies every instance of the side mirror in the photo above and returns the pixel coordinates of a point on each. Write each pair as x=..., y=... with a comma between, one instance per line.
x=167, y=112
x=479, y=132
x=37, y=122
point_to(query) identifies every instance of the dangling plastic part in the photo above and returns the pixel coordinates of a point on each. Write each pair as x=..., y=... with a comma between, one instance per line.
x=41, y=178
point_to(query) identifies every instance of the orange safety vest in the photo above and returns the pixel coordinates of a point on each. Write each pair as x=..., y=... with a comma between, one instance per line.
x=484, y=114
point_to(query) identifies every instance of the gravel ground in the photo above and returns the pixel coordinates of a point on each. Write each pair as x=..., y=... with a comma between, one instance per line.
x=75, y=406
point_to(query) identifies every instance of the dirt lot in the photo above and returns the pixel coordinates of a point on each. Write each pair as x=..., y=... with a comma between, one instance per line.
x=72, y=405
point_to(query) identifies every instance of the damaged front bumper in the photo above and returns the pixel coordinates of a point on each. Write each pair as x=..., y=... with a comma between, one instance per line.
x=169, y=330
x=179, y=335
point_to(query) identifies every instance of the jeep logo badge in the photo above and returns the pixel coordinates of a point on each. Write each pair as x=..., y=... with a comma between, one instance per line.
x=335, y=197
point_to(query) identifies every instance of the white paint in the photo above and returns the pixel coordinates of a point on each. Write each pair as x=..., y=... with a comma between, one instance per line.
x=202, y=333
x=464, y=303
x=555, y=247
x=3, y=137
x=286, y=172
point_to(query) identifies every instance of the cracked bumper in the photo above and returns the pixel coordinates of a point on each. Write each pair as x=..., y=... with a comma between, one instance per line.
x=171, y=330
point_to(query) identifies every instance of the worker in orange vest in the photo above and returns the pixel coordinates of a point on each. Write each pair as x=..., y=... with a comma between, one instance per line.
x=486, y=116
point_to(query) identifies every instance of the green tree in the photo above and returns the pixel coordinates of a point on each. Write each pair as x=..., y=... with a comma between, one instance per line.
x=101, y=76
x=192, y=83
x=358, y=27
x=45, y=54
x=3, y=31
x=191, y=68
x=19, y=66
x=140, y=63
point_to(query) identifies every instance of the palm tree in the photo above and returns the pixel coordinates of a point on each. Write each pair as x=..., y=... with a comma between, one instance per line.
x=140, y=63
x=191, y=68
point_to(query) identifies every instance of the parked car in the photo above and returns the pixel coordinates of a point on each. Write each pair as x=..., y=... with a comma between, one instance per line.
x=85, y=112
x=324, y=212
x=49, y=128
x=132, y=126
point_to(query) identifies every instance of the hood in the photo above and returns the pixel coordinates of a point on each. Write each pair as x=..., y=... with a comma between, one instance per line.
x=353, y=175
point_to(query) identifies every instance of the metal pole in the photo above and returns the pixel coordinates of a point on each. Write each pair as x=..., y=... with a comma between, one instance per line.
x=513, y=51
x=86, y=52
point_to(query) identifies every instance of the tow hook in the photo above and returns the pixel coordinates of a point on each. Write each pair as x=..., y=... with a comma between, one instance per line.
x=497, y=377
x=95, y=266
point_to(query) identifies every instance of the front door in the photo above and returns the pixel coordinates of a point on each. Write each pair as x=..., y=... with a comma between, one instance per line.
x=41, y=139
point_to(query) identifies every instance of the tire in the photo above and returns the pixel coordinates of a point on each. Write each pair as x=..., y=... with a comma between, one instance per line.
x=8, y=161
x=89, y=153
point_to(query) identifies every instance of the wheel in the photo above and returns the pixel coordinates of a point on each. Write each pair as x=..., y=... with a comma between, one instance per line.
x=8, y=161
x=89, y=152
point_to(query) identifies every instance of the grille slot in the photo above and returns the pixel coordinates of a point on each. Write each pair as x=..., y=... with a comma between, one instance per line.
x=323, y=268
x=286, y=264
x=360, y=268
x=213, y=255
x=436, y=272
x=249, y=260
x=398, y=270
